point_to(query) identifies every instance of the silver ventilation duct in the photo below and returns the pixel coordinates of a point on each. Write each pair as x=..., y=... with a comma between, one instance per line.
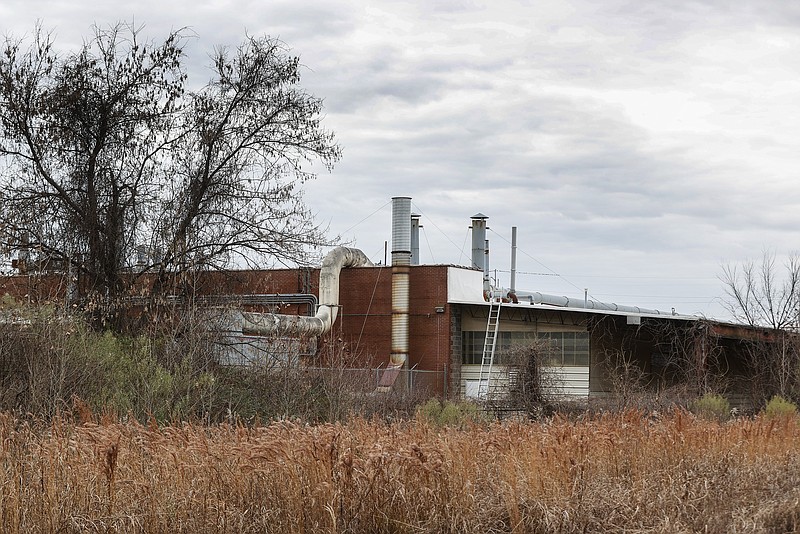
x=513, y=259
x=401, y=260
x=293, y=325
x=480, y=248
x=479, y=241
x=583, y=303
x=415, y=226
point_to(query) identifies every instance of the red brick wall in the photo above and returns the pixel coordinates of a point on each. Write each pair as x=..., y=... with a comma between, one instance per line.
x=363, y=329
x=364, y=325
x=365, y=318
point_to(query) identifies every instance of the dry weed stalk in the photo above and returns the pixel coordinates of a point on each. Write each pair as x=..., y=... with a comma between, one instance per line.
x=609, y=473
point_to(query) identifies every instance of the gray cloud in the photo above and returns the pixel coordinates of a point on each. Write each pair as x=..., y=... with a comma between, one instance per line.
x=636, y=145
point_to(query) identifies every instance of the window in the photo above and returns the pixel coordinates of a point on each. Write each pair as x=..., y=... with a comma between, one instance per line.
x=570, y=349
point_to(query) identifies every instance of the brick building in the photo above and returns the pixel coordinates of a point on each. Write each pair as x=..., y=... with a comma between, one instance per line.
x=436, y=320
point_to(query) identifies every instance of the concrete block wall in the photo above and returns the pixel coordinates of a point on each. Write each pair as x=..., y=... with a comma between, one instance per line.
x=454, y=371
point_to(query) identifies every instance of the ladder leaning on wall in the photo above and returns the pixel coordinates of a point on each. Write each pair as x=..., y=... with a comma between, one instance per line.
x=489, y=347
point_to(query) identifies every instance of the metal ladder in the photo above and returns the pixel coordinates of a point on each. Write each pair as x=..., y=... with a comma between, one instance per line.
x=489, y=347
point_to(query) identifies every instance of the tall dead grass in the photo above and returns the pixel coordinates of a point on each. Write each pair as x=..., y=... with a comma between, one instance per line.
x=609, y=473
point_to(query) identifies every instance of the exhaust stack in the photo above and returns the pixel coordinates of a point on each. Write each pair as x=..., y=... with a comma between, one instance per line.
x=480, y=248
x=415, y=226
x=401, y=262
x=513, y=287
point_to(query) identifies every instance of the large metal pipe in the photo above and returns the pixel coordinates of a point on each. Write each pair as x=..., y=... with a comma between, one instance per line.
x=279, y=324
x=415, y=226
x=486, y=284
x=479, y=241
x=513, y=287
x=583, y=302
x=401, y=261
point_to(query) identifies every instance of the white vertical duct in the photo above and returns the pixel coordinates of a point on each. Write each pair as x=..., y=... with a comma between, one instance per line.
x=278, y=324
x=513, y=287
x=486, y=265
x=479, y=241
x=480, y=247
x=401, y=261
x=415, y=226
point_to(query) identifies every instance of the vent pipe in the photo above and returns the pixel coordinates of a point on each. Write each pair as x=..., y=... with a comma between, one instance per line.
x=415, y=226
x=279, y=324
x=486, y=265
x=585, y=302
x=401, y=260
x=513, y=259
x=479, y=241
x=480, y=248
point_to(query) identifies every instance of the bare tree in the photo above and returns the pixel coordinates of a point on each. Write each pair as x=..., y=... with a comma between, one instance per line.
x=533, y=388
x=627, y=379
x=239, y=164
x=111, y=161
x=760, y=295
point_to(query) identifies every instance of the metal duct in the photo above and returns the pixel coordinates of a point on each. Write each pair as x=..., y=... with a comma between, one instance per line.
x=401, y=260
x=486, y=285
x=584, y=303
x=513, y=287
x=479, y=241
x=401, y=228
x=415, y=226
x=480, y=248
x=275, y=323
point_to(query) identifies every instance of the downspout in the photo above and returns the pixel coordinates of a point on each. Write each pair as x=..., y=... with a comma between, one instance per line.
x=265, y=324
x=487, y=286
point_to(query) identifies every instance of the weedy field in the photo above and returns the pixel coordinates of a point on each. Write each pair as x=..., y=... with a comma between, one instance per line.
x=609, y=473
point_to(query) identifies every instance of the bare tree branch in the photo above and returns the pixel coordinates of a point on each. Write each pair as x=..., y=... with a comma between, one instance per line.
x=108, y=151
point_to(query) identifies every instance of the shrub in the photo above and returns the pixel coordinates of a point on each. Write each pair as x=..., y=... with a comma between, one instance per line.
x=712, y=407
x=532, y=388
x=447, y=413
x=779, y=408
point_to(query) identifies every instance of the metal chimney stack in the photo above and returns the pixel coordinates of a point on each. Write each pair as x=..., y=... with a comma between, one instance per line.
x=513, y=287
x=401, y=261
x=415, y=226
x=480, y=247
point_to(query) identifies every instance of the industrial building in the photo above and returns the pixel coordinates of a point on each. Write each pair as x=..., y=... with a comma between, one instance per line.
x=447, y=328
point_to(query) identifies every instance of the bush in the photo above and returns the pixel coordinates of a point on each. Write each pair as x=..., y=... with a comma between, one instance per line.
x=532, y=389
x=712, y=407
x=51, y=364
x=447, y=413
x=780, y=408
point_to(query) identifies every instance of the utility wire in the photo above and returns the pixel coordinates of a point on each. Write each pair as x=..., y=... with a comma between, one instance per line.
x=611, y=276
x=367, y=217
x=428, y=242
x=540, y=263
x=430, y=220
x=694, y=299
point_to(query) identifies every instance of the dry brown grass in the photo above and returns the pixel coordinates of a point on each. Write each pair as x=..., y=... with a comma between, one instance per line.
x=610, y=473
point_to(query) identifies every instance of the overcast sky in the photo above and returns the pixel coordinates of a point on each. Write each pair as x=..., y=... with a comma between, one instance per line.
x=637, y=146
